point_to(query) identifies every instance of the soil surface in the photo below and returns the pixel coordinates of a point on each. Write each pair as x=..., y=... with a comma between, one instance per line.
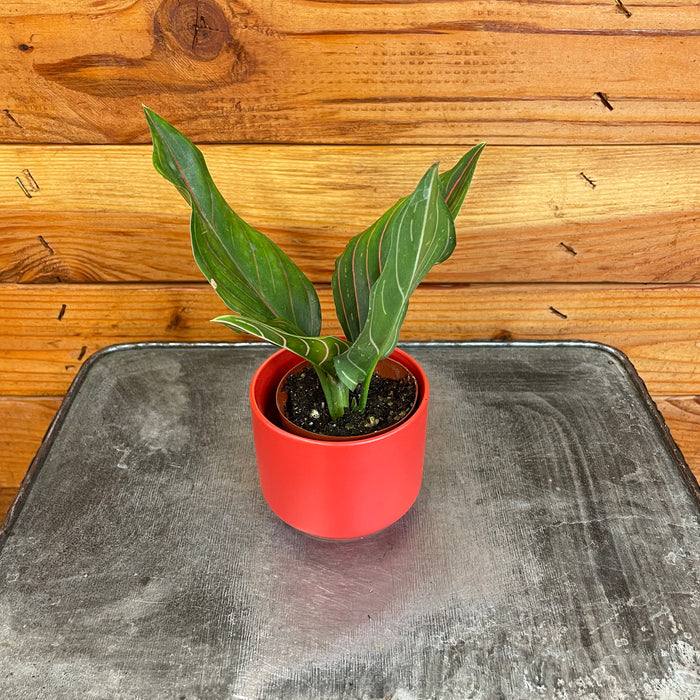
x=388, y=402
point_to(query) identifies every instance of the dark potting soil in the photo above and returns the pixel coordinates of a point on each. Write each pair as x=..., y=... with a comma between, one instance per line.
x=388, y=401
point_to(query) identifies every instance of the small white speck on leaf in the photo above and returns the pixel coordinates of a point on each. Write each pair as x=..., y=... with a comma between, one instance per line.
x=212, y=282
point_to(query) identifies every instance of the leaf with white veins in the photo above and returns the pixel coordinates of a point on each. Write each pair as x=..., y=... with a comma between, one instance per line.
x=249, y=272
x=416, y=236
x=360, y=264
x=320, y=351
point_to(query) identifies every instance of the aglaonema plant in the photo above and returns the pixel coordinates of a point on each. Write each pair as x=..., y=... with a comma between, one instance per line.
x=273, y=299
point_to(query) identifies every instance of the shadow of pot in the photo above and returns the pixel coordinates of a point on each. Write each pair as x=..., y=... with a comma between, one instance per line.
x=336, y=490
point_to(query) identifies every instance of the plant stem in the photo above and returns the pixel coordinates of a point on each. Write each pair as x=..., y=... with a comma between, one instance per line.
x=365, y=391
x=336, y=393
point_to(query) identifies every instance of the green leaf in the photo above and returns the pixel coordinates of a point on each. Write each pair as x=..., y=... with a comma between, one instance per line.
x=416, y=235
x=360, y=264
x=320, y=351
x=455, y=182
x=249, y=272
x=356, y=270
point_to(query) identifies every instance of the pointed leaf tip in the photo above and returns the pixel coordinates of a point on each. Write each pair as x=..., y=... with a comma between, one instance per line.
x=420, y=234
x=247, y=270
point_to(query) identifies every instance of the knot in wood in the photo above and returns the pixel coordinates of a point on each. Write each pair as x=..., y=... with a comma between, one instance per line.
x=199, y=28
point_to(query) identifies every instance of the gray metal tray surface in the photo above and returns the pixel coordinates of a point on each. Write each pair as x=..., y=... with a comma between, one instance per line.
x=554, y=550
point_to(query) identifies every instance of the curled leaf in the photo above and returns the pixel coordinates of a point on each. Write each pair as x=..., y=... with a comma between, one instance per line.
x=318, y=350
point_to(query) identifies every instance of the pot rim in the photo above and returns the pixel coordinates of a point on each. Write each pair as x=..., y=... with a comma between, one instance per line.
x=403, y=357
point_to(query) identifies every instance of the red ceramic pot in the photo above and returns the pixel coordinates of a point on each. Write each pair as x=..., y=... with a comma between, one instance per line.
x=336, y=490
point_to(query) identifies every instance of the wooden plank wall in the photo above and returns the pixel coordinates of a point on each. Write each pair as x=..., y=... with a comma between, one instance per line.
x=582, y=222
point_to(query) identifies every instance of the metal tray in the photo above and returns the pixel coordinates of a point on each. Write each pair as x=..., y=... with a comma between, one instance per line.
x=554, y=550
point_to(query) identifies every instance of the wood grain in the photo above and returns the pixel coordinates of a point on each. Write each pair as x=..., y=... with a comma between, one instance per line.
x=6, y=497
x=25, y=421
x=554, y=214
x=291, y=71
x=49, y=330
x=682, y=415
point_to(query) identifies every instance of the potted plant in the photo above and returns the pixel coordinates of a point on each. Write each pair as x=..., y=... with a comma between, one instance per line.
x=351, y=485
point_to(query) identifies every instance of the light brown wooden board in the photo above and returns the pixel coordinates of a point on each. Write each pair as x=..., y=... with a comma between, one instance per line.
x=49, y=330
x=24, y=420
x=363, y=72
x=682, y=415
x=555, y=214
x=6, y=497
